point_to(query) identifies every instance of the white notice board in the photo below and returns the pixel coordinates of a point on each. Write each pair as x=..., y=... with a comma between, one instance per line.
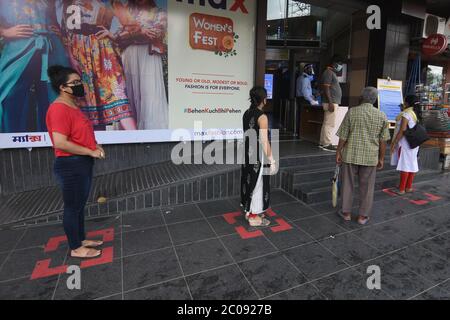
x=390, y=97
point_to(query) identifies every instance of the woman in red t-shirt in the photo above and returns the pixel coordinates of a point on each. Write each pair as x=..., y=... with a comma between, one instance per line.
x=75, y=148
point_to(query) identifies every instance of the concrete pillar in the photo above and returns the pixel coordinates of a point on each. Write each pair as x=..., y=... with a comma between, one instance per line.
x=261, y=31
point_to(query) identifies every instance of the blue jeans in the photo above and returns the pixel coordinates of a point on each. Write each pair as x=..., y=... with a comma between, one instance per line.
x=74, y=174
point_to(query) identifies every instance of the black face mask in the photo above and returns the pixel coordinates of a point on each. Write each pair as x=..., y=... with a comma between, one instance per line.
x=78, y=90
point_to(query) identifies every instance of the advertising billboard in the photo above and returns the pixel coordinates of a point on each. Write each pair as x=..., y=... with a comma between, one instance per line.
x=152, y=70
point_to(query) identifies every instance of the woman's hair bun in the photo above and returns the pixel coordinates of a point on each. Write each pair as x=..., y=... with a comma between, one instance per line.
x=59, y=75
x=54, y=70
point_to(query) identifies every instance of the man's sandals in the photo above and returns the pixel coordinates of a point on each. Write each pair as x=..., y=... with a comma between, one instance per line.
x=362, y=220
x=345, y=216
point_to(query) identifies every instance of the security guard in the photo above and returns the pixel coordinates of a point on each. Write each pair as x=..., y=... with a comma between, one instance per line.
x=304, y=90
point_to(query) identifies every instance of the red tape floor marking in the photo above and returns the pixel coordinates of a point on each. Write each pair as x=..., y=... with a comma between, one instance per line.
x=282, y=226
x=43, y=270
x=270, y=213
x=107, y=234
x=53, y=243
x=432, y=197
x=107, y=256
x=419, y=202
x=389, y=192
x=244, y=234
x=231, y=217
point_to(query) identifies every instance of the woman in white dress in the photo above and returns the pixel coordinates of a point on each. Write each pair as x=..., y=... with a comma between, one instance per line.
x=402, y=155
x=143, y=41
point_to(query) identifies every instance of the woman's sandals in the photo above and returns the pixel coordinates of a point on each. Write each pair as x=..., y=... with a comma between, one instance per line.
x=91, y=243
x=258, y=222
x=247, y=215
x=86, y=254
x=86, y=249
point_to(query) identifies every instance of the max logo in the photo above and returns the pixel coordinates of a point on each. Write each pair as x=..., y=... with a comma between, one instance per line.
x=221, y=4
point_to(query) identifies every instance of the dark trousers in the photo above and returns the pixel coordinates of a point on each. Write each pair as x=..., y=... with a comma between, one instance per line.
x=74, y=174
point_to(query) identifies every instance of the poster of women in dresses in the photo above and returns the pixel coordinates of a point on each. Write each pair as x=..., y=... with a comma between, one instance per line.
x=122, y=49
x=30, y=39
x=142, y=38
x=119, y=49
x=94, y=54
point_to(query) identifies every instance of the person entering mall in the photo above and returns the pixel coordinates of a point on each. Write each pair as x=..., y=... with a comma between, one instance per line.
x=332, y=96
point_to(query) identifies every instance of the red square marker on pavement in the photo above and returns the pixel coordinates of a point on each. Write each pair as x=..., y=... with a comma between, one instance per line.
x=42, y=268
x=270, y=212
x=282, y=226
x=53, y=243
x=389, y=192
x=230, y=218
x=244, y=234
x=106, y=257
x=432, y=197
x=419, y=202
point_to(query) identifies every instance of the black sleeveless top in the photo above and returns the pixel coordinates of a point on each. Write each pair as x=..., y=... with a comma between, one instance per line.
x=252, y=165
x=251, y=127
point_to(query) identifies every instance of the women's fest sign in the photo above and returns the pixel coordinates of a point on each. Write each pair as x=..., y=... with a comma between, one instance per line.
x=153, y=71
x=212, y=86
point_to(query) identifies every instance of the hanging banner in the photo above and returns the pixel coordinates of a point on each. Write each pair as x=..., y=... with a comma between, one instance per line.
x=153, y=71
x=390, y=97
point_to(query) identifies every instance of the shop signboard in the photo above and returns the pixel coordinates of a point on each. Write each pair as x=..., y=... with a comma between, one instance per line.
x=435, y=44
x=153, y=71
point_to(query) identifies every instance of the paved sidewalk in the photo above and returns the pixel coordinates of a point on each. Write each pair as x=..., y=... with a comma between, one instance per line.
x=206, y=251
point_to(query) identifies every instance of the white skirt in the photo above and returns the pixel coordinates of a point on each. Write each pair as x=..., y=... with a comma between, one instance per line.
x=257, y=204
x=407, y=161
x=145, y=87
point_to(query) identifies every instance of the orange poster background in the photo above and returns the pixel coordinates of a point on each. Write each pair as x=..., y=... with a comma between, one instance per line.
x=209, y=33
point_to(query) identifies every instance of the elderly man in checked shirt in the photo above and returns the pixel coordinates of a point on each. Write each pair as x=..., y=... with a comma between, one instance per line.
x=361, y=150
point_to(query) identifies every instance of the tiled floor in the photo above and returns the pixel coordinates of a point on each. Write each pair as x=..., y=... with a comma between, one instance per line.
x=193, y=252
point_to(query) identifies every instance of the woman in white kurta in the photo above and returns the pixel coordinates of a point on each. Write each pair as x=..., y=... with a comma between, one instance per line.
x=402, y=156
